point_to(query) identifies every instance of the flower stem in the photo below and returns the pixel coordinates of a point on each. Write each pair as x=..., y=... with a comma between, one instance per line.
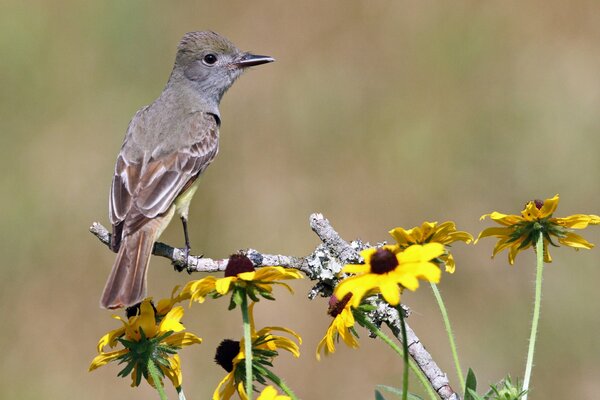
x=444, y=312
x=405, y=348
x=153, y=371
x=279, y=382
x=412, y=364
x=539, y=249
x=247, y=346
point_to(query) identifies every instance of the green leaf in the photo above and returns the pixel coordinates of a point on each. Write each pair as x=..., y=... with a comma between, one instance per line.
x=470, y=385
x=398, y=392
x=473, y=395
x=378, y=395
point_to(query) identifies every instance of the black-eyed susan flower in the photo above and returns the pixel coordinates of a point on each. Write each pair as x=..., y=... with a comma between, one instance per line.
x=240, y=274
x=389, y=273
x=342, y=326
x=149, y=334
x=265, y=344
x=520, y=232
x=430, y=232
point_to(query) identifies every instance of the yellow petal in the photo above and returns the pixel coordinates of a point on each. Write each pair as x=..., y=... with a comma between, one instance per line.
x=171, y=321
x=450, y=264
x=577, y=221
x=174, y=371
x=110, y=339
x=146, y=320
x=419, y=253
x=390, y=292
x=225, y=389
x=549, y=207
x=358, y=285
x=495, y=231
x=356, y=268
x=575, y=241
x=182, y=339
x=222, y=285
x=104, y=358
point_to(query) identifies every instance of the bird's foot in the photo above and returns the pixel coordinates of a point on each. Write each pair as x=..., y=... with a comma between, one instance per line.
x=184, y=262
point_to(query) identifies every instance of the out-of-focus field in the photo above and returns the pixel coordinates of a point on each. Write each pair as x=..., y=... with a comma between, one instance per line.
x=377, y=114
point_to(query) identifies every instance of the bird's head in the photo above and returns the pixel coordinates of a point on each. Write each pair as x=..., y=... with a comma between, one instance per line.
x=212, y=63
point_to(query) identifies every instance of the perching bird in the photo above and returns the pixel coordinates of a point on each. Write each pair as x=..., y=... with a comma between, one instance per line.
x=167, y=146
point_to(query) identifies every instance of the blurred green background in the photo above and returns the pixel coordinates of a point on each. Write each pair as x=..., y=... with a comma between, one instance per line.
x=377, y=114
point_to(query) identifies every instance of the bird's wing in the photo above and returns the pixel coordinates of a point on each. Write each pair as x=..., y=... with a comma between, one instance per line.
x=145, y=187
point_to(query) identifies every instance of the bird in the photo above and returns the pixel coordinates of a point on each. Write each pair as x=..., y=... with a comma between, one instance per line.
x=167, y=146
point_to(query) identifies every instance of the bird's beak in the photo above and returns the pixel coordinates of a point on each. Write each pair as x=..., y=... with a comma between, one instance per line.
x=250, y=60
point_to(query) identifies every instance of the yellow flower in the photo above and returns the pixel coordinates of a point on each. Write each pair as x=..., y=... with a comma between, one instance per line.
x=431, y=232
x=147, y=333
x=520, y=232
x=265, y=344
x=270, y=393
x=341, y=326
x=240, y=273
x=389, y=273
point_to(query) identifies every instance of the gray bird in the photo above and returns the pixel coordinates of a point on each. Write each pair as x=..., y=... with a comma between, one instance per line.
x=168, y=144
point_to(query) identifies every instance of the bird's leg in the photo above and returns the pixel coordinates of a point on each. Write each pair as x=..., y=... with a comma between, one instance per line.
x=187, y=238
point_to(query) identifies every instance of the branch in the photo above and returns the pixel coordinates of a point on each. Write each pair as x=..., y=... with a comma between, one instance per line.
x=323, y=266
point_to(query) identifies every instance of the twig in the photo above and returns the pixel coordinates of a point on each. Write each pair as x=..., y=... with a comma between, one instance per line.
x=322, y=266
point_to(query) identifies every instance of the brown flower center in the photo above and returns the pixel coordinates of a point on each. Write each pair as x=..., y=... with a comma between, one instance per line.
x=337, y=306
x=237, y=264
x=383, y=261
x=538, y=204
x=226, y=352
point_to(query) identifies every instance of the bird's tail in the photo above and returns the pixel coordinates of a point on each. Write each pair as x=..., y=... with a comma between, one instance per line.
x=126, y=284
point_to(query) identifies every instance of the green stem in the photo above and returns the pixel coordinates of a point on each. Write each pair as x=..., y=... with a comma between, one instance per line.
x=539, y=249
x=247, y=346
x=279, y=382
x=405, y=348
x=412, y=364
x=444, y=312
x=153, y=371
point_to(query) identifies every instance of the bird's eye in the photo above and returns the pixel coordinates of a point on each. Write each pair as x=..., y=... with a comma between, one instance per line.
x=209, y=59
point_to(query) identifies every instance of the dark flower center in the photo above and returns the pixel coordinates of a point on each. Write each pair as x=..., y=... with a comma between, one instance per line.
x=237, y=264
x=538, y=204
x=337, y=306
x=135, y=310
x=226, y=352
x=383, y=261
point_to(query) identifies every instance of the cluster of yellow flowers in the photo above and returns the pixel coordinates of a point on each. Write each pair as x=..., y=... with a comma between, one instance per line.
x=419, y=253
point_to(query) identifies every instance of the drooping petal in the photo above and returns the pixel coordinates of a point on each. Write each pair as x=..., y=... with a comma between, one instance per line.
x=503, y=219
x=110, y=339
x=225, y=389
x=576, y=241
x=450, y=264
x=173, y=372
x=577, y=221
x=182, y=339
x=104, y=358
x=495, y=231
